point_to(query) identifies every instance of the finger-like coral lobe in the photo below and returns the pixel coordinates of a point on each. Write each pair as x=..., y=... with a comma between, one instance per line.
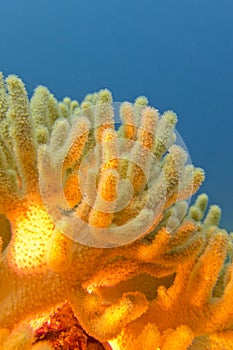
x=98, y=246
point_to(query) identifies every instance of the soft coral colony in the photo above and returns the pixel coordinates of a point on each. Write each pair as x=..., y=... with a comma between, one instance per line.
x=171, y=288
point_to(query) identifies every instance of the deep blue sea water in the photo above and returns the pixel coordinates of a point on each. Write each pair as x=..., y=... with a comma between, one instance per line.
x=177, y=53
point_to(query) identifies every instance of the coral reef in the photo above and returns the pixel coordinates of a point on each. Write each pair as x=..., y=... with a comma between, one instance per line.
x=94, y=223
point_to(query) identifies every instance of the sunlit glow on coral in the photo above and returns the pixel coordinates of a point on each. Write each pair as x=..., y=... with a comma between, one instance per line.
x=114, y=344
x=39, y=320
x=31, y=240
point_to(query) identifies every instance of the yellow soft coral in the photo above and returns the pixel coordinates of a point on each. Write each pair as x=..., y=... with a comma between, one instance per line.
x=94, y=215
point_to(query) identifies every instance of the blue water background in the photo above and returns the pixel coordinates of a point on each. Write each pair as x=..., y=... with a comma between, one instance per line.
x=177, y=53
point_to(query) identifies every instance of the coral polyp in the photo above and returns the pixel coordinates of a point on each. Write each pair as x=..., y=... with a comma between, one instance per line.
x=97, y=240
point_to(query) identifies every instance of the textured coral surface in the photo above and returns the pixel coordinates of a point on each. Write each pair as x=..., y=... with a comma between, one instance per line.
x=63, y=332
x=167, y=285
